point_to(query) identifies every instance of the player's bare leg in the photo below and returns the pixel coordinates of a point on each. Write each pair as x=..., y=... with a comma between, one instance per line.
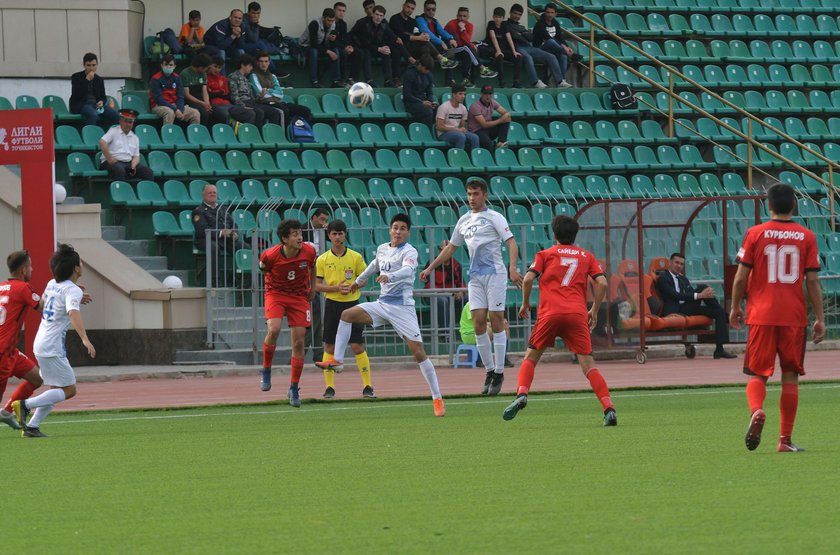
x=788, y=404
x=354, y=315
x=599, y=386
x=526, y=378
x=428, y=371
x=756, y=392
x=31, y=381
x=272, y=332
x=298, y=352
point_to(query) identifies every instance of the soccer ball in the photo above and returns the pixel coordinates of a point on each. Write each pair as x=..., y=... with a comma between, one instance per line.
x=360, y=95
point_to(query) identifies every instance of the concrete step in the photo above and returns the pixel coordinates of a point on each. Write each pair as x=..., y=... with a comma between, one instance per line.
x=74, y=200
x=132, y=247
x=113, y=232
x=160, y=275
x=149, y=263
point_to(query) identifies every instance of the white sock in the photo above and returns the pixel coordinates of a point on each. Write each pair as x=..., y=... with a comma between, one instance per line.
x=428, y=370
x=485, y=350
x=49, y=397
x=39, y=415
x=342, y=338
x=4, y=412
x=500, y=349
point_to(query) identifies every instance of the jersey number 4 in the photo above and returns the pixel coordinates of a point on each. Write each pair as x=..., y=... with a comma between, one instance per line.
x=782, y=263
x=572, y=264
x=49, y=311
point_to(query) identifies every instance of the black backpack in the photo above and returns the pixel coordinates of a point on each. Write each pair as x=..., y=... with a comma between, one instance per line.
x=623, y=98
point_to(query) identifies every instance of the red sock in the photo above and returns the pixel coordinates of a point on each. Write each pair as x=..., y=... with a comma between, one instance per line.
x=268, y=354
x=23, y=391
x=599, y=386
x=526, y=376
x=787, y=406
x=297, y=369
x=756, y=392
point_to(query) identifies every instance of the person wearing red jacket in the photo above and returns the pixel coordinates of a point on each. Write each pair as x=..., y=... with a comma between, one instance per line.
x=461, y=29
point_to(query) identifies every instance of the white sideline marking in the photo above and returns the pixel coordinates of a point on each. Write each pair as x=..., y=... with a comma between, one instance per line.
x=399, y=404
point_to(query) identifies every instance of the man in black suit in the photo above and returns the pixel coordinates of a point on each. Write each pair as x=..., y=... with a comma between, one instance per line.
x=678, y=296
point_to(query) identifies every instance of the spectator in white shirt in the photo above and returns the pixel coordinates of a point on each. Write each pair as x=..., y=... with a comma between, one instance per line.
x=121, y=150
x=451, y=122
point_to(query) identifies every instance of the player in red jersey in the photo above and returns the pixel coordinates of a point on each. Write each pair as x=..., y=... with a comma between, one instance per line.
x=564, y=271
x=16, y=298
x=289, y=289
x=775, y=259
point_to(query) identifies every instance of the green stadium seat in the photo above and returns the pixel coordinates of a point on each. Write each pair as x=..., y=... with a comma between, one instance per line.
x=162, y=165
x=619, y=187
x=376, y=188
x=334, y=107
x=455, y=161
x=711, y=186
x=249, y=134
x=197, y=135
x=453, y=189
x=371, y=134
x=165, y=225
x=224, y=137
x=361, y=161
x=314, y=162
x=185, y=222
x=622, y=158
x=577, y=159
x=573, y=187
x=388, y=162
x=597, y=187
x=146, y=135
x=278, y=189
x=268, y=220
x=447, y=217
x=422, y=134
x=366, y=112
x=501, y=190
x=686, y=183
x=59, y=108
x=314, y=106
x=348, y=215
x=212, y=160
x=330, y=190
x=550, y=188
x=567, y=104
x=141, y=104
x=404, y=188
x=122, y=194
x=689, y=155
x=584, y=133
x=371, y=217
x=324, y=136
x=228, y=191
x=289, y=164
x=173, y=136
x=275, y=135
x=524, y=106
x=263, y=163
x=68, y=138
x=518, y=137
x=243, y=261
x=186, y=164
x=428, y=187
x=643, y=187
x=295, y=214
x=396, y=133
x=347, y=135
x=149, y=192
x=383, y=106
x=176, y=193
x=482, y=158
x=734, y=184
x=304, y=191
x=518, y=214
x=253, y=191
x=26, y=102
x=530, y=158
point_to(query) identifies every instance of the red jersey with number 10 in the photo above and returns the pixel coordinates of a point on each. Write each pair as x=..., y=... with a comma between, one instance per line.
x=564, y=271
x=15, y=297
x=779, y=253
x=289, y=276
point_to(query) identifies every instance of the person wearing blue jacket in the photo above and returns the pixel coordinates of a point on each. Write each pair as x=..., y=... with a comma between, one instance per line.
x=439, y=37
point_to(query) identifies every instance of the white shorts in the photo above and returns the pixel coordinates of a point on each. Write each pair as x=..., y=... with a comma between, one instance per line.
x=56, y=371
x=402, y=318
x=488, y=292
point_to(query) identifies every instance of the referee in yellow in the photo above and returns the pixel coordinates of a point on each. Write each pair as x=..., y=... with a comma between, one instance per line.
x=336, y=270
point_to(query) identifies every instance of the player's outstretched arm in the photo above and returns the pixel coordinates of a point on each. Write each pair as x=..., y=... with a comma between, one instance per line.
x=600, y=293
x=812, y=283
x=513, y=252
x=79, y=326
x=739, y=286
x=527, y=285
x=442, y=258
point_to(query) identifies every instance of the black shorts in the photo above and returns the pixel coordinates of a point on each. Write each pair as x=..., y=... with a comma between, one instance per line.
x=332, y=316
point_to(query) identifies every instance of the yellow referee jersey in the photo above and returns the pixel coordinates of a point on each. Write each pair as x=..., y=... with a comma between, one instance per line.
x=335, y=270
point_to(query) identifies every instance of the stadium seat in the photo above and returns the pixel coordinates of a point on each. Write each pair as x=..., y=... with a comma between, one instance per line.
x=59, y=108
x=422, y=134
x=330, y=190
x=371, y=134
x=289, y=164
x=404, y=188
x=380, y=190
x=141, y=105
x=253, y=192
x=356, y=189
x=228, y=191
x=275, y=135
x=249, y=134
x=396, y=133
x=388, y=162
x=68, y=138
x=279, y=190
x=383, y=107
x=165, y=225
x=149, y=192
x=304, y=192
x=173, y=136
x=224, y=137
x=334, y=107
x=197, y=135
x=263, y=163
x=122, y=194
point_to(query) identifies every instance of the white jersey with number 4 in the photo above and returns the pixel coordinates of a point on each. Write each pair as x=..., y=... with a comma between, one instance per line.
x=483, y=232
x=59, y=300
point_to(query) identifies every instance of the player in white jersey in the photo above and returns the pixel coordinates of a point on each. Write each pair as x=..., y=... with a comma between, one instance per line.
x=396, y=264
x=483, y=230
x=62, y=299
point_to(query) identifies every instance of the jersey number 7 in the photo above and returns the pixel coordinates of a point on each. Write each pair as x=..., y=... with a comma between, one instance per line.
x=572, y=263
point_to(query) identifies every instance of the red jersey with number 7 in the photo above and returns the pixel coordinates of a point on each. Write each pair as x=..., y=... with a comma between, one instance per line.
x=564, y=271
x=778, y=253
x=289, y=276
x=15, y=297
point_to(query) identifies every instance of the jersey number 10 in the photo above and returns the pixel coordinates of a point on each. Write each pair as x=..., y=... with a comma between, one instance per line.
x=782, y=263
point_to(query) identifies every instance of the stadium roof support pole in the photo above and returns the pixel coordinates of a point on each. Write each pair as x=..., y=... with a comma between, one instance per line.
x=26, y=138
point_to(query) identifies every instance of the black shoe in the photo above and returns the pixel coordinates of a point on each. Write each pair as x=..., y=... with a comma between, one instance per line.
x=20, y=411
x=329, y=393
x=29, y=431
x=368, y=393
x=337, y=84
x=488, y=380
x=722, y=353
x=282, y=74
x=610, y=419
x=316, y=85
x=516, y=85
x=517, y=405
x=508, y=363
x=496, y=384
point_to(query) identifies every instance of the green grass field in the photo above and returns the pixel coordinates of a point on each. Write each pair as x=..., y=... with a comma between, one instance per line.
x=388, y=477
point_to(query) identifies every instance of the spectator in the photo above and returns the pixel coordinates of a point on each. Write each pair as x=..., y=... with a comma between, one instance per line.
x=678, y=296
x=440, y=39
x=373, y=37
x=267, y=89
x=227, y=38
x=242, y=94
x=462, y=29
x=262, y=39
x=166, y=94
x=418, y=91
x=522, y=40
x=191, y=37
x=315, y=233
x=121, y=150
x=194, y=80
x=224, y=237
x=481, y=122
x=467, y=331
x=369, y=6
x=451, y=123
x=87, y=96
x=447, y=276
x=498, y=45
x=219, y=92
x=342, y=40
x=402, y=24
x=548, y=36
x=319, y=39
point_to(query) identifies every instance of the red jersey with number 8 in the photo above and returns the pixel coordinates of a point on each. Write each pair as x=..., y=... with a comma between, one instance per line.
x=15, y=297
x=564, y=271
x=289, y=276
x=779, y=253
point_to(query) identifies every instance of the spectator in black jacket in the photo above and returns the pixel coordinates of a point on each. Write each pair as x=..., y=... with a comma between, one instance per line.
x=87, y=96
x=373, y=37
x=320, y=39
x=548, y=36
x=402, y=24
x=498, y=45
x=418, y=91
x=228, y=37
x=342, y=41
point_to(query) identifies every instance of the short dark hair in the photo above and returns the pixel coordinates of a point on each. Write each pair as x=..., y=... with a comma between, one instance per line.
x=676, y=255
x=401, y=218
x=565, y=229
x=379, y=9
x=89, y=57
x=412, y=2
x=328, y=12
x=167, y=58
x=64, y=262
x=201, y=60
x=218, y=61
x=337, y=4
x=426, y=61
x=254, y=7
x=367, y=3
x=320, y=211
x=477, y=183
x=550, y=6
x=17, y=260
x=499, y=12
x=517, y=8
x=245, y=60
x=285, y=228
x=194, y=14
x=337, y=225
x=260, y=54
x=463, y=9
x=782, y=198
x=458, y=87
x=429, y=3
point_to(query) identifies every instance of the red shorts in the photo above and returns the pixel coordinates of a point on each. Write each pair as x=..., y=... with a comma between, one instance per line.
x=573, y=329
x=15, y=364
x=297, y=310
x=765, y=342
